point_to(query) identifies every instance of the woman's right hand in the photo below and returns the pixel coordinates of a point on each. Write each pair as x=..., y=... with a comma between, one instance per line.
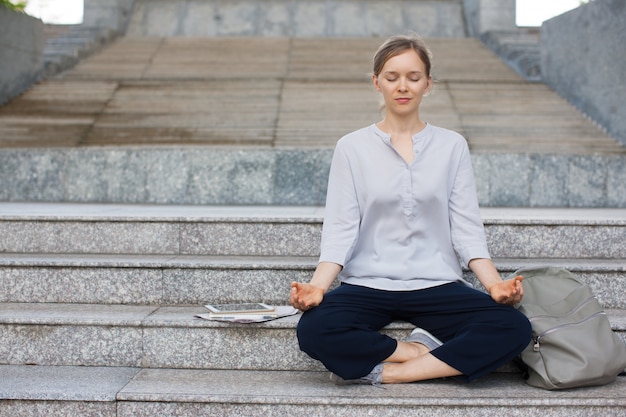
x=305, y=296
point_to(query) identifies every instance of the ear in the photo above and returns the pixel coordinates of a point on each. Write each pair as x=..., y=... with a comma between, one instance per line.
x=429, y=85
x=375, y=82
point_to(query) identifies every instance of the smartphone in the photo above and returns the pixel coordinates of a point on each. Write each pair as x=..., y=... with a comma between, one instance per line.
x=240, y=308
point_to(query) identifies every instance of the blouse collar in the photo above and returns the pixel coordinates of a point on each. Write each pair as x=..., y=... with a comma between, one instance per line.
x=418, y=138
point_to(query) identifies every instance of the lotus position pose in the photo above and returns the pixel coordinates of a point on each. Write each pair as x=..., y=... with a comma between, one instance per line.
x=401, y=219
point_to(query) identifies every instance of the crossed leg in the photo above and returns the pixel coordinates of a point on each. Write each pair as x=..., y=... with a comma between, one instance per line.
x=413, y=362
x=478, y=334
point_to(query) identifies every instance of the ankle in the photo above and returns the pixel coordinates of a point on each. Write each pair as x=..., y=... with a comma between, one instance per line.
x=392, y=373
x=419, y=348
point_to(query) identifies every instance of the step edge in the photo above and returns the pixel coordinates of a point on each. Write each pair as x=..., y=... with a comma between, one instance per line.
x=314, y=388
x=167, y=317
x=242, y=262
x=88, y=212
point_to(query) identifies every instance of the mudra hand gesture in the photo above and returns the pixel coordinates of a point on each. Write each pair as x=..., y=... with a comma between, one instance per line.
x=508, y=292
x=305, y=296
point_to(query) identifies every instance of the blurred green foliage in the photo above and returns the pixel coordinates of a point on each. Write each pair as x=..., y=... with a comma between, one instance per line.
x=18, y=6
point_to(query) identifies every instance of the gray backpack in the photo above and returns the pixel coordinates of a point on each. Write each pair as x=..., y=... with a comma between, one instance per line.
x=573, y=344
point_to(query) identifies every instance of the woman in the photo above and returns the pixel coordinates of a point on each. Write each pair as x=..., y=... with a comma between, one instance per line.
x=401, y=214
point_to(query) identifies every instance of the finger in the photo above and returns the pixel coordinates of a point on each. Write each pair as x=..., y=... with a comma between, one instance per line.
x=293, y=295
x=296, y=303
x=513, y=299
x=297, y=299
x=508, y=290
x=293, y=301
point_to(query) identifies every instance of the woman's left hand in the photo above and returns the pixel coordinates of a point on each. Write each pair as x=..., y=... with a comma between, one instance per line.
x=508, y=292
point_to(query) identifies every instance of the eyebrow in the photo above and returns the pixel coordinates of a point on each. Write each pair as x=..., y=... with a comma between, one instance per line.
x=396, y=72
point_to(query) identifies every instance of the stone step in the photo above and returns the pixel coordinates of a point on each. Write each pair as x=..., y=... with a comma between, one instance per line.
x=126, y=392
x=199, y=279
x=160, y=337
x=150, y=279
x=281, y=231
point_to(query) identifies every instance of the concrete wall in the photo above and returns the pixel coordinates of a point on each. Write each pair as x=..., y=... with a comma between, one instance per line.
x=111, y=14
x=485, y=15
x=312, y=18
x=583, y=58
x=21, y=52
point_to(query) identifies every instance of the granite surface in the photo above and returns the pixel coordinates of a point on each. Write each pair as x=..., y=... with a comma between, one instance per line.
x=174, y=338
x=145, y=279
x=29, y=408
x=315, y=387
x=170, y=392
x=71, y=334
x=89, y=237
x=550, y=241
x=71, y=345
x=160, y=212
x=616, y=179
x=272, y=231
x=163, y=254
x=160, y=337
x=229, y=410
x=68, y=383
x=78, y=314
x=226, y=392
x=283, y=176
x=256, y=239
x=184, y=279
x=183, y=286
x=33, y=282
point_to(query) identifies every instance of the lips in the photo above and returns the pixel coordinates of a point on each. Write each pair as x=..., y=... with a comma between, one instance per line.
x=402, y=100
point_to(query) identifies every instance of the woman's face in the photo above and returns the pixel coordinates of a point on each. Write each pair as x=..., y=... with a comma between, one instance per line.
x=403, y=82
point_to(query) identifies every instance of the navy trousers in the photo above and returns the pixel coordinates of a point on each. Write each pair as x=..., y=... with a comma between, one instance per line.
x=479, y=335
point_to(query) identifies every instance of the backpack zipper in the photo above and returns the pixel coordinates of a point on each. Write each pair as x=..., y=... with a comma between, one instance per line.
x=536, y=339
x=569, y=313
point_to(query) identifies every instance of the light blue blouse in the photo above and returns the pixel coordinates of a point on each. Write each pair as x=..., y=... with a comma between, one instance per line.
x=397, y=226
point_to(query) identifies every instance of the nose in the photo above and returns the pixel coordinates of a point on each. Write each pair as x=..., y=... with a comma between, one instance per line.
x=402, y=85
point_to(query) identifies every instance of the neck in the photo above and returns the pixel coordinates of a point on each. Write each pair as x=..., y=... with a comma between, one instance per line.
x=402, y=126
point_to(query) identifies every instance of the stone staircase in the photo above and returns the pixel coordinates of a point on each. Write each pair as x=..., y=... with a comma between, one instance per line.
x=98, y=303
x=67, y=45
x=519, y=48
x=254, y=120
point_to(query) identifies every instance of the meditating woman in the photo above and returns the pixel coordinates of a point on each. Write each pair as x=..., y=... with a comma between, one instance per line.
x=401, y=220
